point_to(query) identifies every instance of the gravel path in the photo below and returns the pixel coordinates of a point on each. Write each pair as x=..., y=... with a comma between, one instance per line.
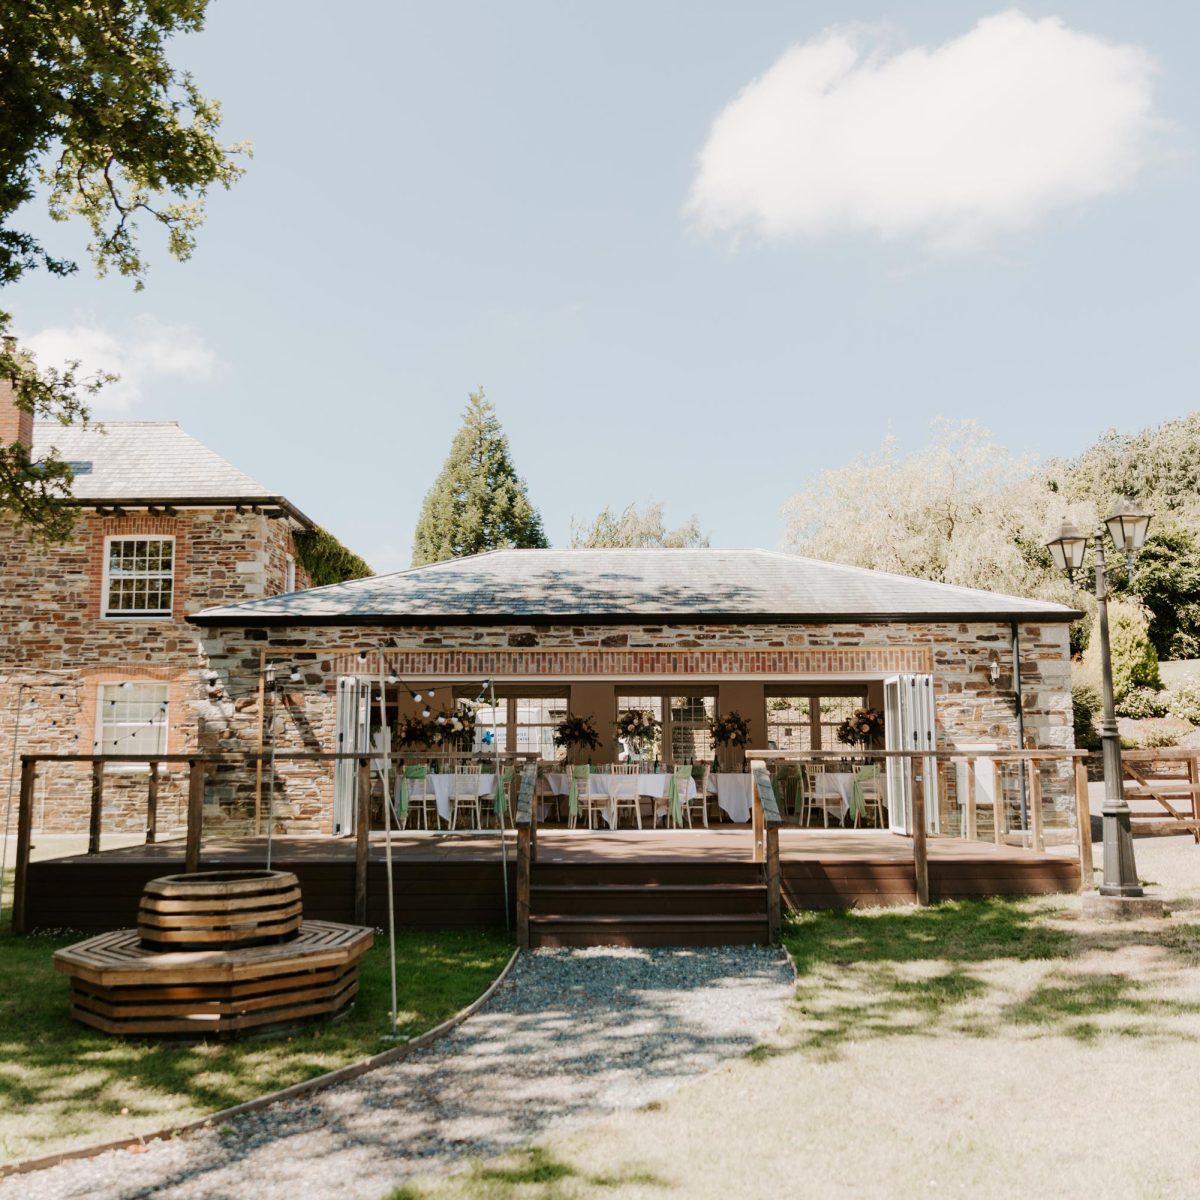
x=572, y=1036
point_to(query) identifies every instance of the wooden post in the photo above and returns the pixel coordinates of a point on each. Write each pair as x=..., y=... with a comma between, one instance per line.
x=195, y=816
x=920, y=845
x=362, y=842
x=1193, y=778
x=97, y=807
x=1035, y=804
x=1083, y=821
x=756, y=819
x=999, y=812
x=972, y=811
x=24, y=840
x=523, y=889
x=774, y=902
x=152, y=805
x=262, y=718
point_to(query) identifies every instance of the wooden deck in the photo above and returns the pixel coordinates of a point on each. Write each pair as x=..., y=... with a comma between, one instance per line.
x=456, y=880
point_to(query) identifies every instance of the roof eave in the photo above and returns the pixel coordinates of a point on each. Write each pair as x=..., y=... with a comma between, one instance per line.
x=282, y=502
x=278, y=620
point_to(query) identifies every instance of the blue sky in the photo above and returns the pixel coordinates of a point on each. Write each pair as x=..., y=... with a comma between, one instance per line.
x=445, y=195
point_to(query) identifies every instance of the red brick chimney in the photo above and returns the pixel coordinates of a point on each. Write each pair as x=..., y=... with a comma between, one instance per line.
x=16, y=425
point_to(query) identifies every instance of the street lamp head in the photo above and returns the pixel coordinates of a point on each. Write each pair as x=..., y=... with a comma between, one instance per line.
x=1068, y=549
x=1128, y=524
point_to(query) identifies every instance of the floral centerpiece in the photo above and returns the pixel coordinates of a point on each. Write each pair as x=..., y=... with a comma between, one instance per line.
x=863, y=727
x=575, y=734
x=412, y=732
x=452, y=729
x=731, y=734
x=639, y=727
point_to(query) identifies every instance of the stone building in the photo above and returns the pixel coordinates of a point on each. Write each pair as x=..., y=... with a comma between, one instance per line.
x=95, y=650
x=792, y=644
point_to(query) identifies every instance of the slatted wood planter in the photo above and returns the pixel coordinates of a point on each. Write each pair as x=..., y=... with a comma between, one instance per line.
x=215, y=954
x=220, y=910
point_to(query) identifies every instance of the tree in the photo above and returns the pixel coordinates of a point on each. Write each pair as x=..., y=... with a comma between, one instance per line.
x=633, y=529
x=95, y=115
x=961, y=510
x=478, y=501
x=1166, y=579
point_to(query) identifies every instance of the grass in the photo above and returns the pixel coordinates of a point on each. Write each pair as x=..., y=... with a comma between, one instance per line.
x=62, y=1084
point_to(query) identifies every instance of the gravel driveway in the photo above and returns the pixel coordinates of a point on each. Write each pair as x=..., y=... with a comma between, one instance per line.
x=572, y=1036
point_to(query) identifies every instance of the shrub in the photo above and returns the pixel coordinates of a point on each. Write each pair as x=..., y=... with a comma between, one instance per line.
x=1183, y=702
x=1159, y=739
x=1139, y=703
x=1134, y=660
x=1085, y=701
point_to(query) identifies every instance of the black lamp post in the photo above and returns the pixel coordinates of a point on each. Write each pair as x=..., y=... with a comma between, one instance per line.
x=1127, y=526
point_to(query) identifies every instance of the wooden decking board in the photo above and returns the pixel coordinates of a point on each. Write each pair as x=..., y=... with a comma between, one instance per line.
x=456, y=881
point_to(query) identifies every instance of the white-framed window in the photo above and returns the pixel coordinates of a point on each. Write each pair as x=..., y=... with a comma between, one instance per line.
x=289, y=574
x=524, y=724
x=131, y=718
x=139, y=576
x=685, y=736
x=807, y=718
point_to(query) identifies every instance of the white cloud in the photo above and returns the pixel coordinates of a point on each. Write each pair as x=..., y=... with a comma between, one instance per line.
x=950, y=144
x=152, y=351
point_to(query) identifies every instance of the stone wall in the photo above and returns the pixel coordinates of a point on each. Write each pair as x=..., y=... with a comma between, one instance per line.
x=54, y=640
x=972, y=711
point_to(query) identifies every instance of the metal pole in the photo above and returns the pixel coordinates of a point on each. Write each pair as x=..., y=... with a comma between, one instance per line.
x=271, y=773
x=12, y=775
x=1016, y=653
x=503, y=804
x=1120, y=872
x=387, y=838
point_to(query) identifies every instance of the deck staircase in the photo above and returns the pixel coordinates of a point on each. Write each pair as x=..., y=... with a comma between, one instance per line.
x=651, y=903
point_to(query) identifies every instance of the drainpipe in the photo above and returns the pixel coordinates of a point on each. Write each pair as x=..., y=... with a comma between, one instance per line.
x=1016, y=655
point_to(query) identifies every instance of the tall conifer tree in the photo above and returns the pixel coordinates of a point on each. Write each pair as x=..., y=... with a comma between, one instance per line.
x=478, y=501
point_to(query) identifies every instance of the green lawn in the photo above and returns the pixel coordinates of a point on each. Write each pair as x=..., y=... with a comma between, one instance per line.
x=63, y=1085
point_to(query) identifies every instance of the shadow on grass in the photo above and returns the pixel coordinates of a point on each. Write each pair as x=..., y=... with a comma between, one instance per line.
x=61, y=1080
x=953, y=969
x=531, y=1174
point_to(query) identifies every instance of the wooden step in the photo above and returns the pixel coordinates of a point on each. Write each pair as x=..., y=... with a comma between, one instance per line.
x=659, y=899
x=555, y=930
x=647, y=873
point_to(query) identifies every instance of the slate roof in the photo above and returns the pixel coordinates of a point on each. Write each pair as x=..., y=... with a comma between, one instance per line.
x=631, y=585
x=147, y=461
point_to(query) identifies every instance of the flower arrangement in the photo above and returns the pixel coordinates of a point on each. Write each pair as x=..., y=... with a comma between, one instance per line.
x=730, y=729
x=639, y=726
x=863, y=727
x=574, y=731
x=413, y=731
x=454, y=728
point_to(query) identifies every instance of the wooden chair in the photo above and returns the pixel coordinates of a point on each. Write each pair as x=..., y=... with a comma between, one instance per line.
x=503, y=797
x=868, y=795
x=700, y=773
x=813, y=795
x=622, y=786
x=464, y=794
x=674, y=803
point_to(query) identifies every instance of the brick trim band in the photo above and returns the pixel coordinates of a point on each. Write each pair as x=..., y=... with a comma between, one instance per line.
x=579, y=664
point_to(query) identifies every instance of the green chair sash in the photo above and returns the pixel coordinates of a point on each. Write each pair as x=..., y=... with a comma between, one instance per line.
x=402, y=786
x=578, y=773
x=857, y=801
x=674, y=804
x=502, y=781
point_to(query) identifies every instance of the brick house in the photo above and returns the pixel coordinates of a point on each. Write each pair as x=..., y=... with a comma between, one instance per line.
x=792, y=644
x=95, y=649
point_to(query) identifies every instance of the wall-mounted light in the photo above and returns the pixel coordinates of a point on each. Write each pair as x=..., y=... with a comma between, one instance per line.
x=994, y=667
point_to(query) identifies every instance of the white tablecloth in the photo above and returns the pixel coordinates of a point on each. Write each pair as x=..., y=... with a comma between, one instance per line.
x=442, y=787
x=652, y=784
x=732, y=790
x=832, y=791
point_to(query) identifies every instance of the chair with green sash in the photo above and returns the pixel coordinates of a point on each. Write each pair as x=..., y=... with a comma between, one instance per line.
x=414, y=796
x=579, y=789
x=678, y=794
x=866, y=795
x=503, y=807
x=698, y=804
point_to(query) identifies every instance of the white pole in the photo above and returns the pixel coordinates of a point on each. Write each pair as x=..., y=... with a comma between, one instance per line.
x=12, y=772
x=387, y=839
x=503, y=803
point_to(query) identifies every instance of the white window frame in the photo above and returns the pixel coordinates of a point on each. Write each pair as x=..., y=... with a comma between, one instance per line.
x=136, y=614
x=162, y=724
